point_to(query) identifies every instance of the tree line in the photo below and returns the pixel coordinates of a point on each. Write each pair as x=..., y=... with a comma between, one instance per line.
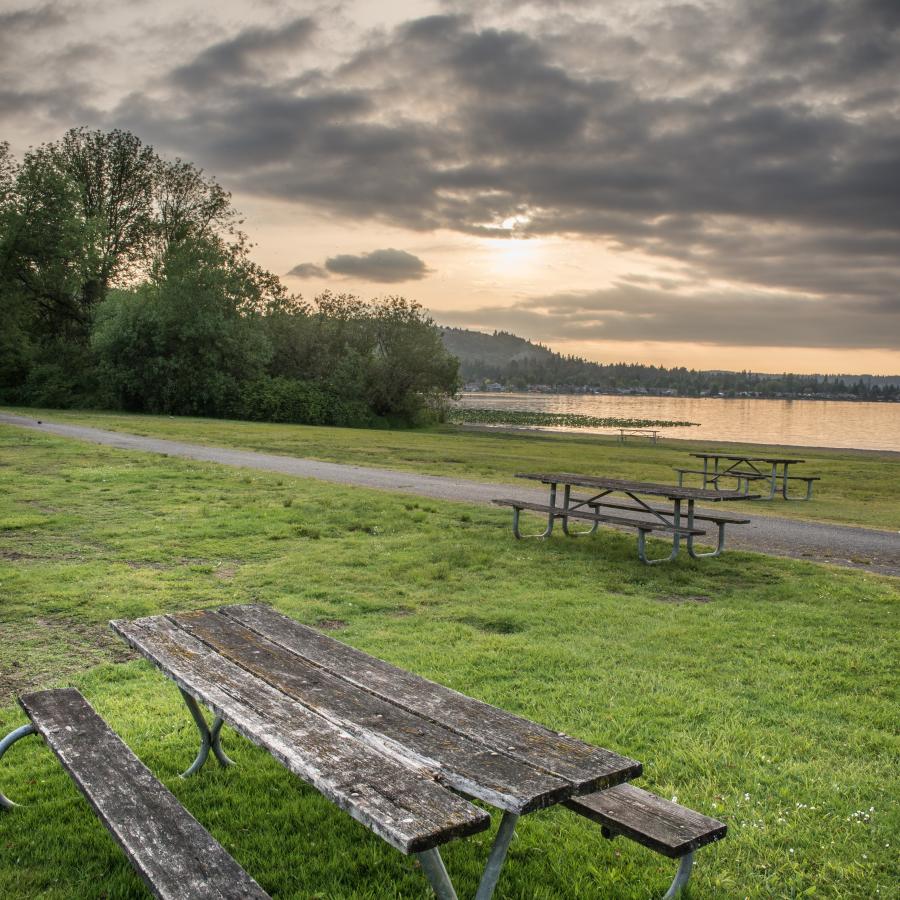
x=126, y=283
x=566, y=373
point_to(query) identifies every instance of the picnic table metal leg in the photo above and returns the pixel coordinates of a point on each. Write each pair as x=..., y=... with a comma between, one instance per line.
x=567, y=494
x=497, y=857
x=676, y=538
x=678, y=884
x=5, y=744
x=209, y=738
x=720, y=545
x=551, y=516
x=434, y=867
x=773, y=484
x=784, y=487
x=809, y=490
x=436, y=871
x=642, y=551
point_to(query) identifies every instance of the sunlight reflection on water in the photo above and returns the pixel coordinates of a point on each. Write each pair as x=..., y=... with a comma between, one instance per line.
x=803, y=423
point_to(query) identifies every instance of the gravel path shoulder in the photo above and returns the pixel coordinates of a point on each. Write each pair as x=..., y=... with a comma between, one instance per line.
x=861, y=548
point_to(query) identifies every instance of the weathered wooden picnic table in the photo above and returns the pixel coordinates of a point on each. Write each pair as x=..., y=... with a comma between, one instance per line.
x=650, y=433
x=392, y=749
x=382, y=743
x=606, y=493
x=718, y=465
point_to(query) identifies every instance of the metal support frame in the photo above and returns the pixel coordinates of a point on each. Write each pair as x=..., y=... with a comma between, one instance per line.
x=685, y=865
x=809, y=490
x=676, y=534
x=567, y=498
x=784, y=486
x=720, y=545
x=551, y=516
x=434, y=868
x=689, y=538
x=642, y=550
x=209, y=738
x=5, y=744
x=497, y=856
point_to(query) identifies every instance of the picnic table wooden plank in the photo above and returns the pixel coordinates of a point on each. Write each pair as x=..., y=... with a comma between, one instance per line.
x=455, y=760
x=407, y=809
x=577, y=511
x=174, y=854
x=650, y=488
x=585, y=766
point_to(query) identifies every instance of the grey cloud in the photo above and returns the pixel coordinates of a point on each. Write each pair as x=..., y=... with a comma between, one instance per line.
x=386, y=266
x=246, y=54
x=22, y=21
x=308, y=270
x=628, y=313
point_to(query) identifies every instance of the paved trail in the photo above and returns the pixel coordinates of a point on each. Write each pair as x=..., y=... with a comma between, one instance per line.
x=862, y=548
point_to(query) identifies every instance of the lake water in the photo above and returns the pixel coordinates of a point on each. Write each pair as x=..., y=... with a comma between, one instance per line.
x=802, y=423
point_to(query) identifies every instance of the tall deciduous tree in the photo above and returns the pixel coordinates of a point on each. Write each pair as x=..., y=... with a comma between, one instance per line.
x=114, y=174
x=189, y=205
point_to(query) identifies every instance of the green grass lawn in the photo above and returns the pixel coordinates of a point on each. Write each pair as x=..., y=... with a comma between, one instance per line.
x=856, y=488
x=755, y=689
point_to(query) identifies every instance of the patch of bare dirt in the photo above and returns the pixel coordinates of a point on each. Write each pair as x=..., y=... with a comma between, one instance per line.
x=50, y=651
x=39, y=506
x=16, y=555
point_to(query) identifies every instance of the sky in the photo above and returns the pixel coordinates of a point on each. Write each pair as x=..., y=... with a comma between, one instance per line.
x=713, y=184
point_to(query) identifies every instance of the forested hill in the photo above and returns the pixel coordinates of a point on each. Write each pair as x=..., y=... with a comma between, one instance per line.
x=517, y=363
x=495, y=351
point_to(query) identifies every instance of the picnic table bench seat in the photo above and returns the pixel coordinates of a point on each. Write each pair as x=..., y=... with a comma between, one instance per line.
x=559, y=513
x=173, y=853
x=662, y=825
x=720, y=520
x=699, y=515
x=643, y=526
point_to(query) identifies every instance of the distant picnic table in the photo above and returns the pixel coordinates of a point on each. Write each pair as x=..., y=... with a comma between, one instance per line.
x=677, y=521
x=744, y=469
x=650, y=433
